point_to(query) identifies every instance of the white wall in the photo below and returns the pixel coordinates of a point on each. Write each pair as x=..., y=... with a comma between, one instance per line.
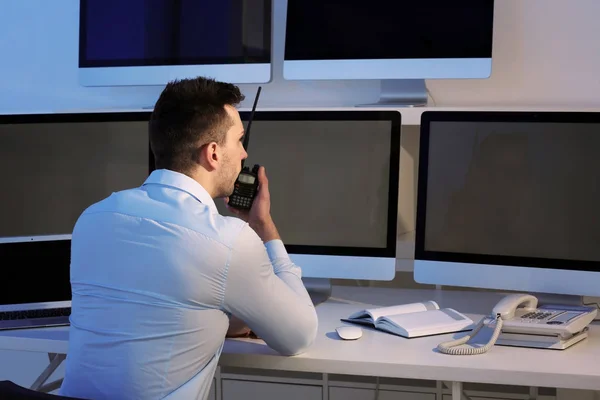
x=547, y=52
x=39, y=57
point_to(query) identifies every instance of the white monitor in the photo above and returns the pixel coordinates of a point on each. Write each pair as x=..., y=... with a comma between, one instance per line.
x=57, y=165
x=333, y=179
x=151, y=42
x=354, y=39
x=400, y=43
x=509, y=200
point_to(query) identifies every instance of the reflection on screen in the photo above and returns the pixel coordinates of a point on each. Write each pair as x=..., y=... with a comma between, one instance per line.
x=328, y=180
x=356, y=29
x=514, y=189
x=167, y=32
x=53, y=171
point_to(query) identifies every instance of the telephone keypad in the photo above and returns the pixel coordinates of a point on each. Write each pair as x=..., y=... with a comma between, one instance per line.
x=242, y=198
x=538, y=316
x=554, y=317
x=240, y=201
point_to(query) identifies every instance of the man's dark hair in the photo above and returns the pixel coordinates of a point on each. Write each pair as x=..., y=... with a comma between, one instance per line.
x=189, y=114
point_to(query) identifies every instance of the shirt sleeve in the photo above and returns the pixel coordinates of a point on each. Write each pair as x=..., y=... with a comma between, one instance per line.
x=264, y=289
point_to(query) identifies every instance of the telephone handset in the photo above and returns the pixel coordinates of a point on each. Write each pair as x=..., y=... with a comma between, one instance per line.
x=246, y=184
x=507, y=307
x=519, y=314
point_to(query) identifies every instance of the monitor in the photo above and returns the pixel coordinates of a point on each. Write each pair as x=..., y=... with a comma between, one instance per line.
x=509, y=201
x=55, y=166
x=333, y=179
x=151, y=42
x=389, y=40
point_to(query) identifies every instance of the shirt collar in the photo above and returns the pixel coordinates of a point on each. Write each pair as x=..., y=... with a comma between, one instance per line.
x=183, y=182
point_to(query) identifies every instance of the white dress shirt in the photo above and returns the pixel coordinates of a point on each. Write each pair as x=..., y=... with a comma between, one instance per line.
x=156, y=272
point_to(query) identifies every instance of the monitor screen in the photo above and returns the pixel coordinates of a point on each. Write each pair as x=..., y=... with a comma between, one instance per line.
x=55, y=166
x=333, y=179
x=390, y=39
x=153, y=41
x=510, y=189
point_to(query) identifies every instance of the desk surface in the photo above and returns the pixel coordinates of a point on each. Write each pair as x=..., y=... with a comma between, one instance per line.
x=381, y=354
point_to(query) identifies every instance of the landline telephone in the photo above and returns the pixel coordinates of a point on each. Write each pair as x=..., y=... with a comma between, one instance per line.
x=519, y=322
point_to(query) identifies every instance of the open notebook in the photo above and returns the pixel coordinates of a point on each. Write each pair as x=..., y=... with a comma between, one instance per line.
x=413, y=320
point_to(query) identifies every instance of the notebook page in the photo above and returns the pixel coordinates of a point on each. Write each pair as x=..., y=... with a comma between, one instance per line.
x=402, y=309
x=434, y=321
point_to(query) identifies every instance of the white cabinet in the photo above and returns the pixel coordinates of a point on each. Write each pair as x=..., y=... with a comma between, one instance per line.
x=253, y=384
x=248, y=390
x=342, y=393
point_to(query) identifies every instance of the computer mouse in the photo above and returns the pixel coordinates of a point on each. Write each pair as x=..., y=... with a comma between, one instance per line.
x=347, y=332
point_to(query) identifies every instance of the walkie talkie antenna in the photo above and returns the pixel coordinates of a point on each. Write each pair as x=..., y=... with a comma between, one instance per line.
x=247, y=133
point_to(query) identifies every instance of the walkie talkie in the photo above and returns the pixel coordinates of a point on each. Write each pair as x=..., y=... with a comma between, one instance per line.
x=246, y=185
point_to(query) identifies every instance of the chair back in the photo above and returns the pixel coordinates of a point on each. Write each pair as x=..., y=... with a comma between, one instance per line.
x=11, y=391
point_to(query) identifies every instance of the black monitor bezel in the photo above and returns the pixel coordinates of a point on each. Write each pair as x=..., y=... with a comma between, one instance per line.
x=389, y=251
x=84, y=62
x=427, y=118
x=53, y=253
x=392, y=213
x=292, y=26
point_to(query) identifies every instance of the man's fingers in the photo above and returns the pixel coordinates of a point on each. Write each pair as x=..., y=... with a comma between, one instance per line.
x=262, y=177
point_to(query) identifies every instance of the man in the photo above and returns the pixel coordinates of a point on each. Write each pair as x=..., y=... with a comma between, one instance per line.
x=156, y=272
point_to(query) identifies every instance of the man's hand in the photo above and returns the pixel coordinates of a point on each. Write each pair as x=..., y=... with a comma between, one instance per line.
x=237, y=328
x=259, y=216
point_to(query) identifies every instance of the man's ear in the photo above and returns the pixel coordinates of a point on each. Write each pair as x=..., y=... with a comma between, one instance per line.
x=209, y=156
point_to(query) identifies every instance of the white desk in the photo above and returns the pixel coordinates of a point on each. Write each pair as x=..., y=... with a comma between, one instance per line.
x=384, y=355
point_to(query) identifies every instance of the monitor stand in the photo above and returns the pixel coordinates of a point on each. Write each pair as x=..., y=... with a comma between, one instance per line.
x=401, y=93
x=319, y=289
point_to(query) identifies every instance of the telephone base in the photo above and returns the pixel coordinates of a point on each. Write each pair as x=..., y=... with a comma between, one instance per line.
x=540, y=341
